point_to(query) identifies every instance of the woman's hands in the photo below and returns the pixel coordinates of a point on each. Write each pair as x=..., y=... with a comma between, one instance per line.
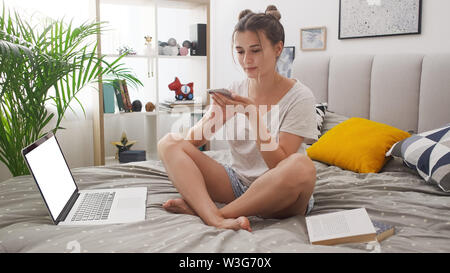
x=237, y=104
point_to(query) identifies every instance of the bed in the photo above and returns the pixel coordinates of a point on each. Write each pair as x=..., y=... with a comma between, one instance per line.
x=405, y=91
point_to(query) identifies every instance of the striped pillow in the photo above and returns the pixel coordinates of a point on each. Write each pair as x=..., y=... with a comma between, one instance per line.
x=321, y=109
x=429, y=154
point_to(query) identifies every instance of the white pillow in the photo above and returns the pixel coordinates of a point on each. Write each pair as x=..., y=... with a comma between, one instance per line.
x=331, y=119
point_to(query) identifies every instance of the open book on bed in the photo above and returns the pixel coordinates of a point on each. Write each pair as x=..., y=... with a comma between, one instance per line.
x=348, y=226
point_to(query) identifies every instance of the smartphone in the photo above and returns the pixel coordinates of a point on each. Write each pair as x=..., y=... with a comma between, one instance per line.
x=221, y=91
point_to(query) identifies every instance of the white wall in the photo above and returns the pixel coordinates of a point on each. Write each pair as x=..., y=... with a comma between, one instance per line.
x=298, y=14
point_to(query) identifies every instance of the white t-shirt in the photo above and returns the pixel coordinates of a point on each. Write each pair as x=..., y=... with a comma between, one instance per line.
x=296, y=115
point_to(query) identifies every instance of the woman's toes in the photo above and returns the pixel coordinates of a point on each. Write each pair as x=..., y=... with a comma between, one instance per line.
x=236, y=224
x=178, y=206
x=244, y=223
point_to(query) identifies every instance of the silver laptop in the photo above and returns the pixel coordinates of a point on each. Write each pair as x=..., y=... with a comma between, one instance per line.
x=69, y=206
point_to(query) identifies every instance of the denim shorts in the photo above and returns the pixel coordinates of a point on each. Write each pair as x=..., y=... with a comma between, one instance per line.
x=239, y=188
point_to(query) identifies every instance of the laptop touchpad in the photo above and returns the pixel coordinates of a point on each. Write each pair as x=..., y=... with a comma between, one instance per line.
x=129, y=203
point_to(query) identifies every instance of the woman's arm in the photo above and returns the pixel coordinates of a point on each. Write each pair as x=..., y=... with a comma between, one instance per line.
x=195, y=135
x=211, y=122
x=273, y=151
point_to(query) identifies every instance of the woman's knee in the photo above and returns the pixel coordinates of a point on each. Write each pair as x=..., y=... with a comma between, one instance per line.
x=299, y=171
x=169, y=141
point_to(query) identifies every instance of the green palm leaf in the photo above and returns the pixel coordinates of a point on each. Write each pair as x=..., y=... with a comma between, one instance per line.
x=35, y=59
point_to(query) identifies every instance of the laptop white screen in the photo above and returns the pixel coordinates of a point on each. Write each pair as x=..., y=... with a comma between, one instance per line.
x=52, y=174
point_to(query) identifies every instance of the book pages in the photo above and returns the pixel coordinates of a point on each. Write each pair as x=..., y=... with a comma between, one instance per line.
x=347, y=225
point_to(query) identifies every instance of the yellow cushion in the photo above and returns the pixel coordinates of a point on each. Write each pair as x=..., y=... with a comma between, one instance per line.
x=356, y=144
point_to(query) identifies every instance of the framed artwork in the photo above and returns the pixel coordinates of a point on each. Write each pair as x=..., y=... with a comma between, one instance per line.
x=313, y=38
x=284, y=63
x=374, y=18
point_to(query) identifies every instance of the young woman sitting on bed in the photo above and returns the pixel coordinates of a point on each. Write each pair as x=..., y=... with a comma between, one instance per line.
x=274, y=182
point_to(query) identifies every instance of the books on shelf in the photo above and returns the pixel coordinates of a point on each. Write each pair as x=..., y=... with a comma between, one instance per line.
x=127, y=95
x=179, y=106
x=122, y=95
x=118, y=95
x=175, y=102
x=108, y=98
x=348, y=226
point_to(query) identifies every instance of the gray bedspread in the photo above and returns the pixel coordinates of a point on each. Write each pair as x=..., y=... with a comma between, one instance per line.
x=420, y=213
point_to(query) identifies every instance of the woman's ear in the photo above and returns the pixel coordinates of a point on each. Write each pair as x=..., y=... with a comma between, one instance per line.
x=279, y=48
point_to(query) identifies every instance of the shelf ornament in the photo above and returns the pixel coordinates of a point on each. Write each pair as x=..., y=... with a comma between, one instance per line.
x=182, y=91
x=123, y=145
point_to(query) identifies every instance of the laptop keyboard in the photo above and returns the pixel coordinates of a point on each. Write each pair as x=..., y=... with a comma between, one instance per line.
x=94, y=206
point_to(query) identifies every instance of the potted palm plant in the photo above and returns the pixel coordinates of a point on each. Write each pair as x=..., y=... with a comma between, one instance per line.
x=35, y=59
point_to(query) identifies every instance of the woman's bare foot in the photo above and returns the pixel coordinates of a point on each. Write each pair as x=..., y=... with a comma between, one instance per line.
x=178, y=206
x=235, y=224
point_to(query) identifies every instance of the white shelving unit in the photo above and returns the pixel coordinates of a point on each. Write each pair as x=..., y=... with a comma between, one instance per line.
x=127, y=24
x=182, y=57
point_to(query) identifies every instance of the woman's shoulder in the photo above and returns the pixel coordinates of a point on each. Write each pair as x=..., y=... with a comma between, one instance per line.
x=300, y=91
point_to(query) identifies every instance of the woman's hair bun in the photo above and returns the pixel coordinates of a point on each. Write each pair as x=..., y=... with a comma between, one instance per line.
x=272, y=10
x=243, y=13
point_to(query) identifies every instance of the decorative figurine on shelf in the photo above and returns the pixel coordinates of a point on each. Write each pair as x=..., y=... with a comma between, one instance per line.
x=150, y=53
x=148, y=44
x=161, y=46
x=123, y=145
x=184, y=51
x=172, y=48
x=148, y=40
x=136, y=106
x=149, y=107
x=182, y=91
x=126, y=50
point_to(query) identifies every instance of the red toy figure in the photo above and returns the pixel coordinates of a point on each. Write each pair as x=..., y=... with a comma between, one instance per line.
x=182, y=90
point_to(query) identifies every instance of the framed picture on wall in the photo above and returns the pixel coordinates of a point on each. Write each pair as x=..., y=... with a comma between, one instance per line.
x=284, y=63
x=313, y=38
x=373, y=18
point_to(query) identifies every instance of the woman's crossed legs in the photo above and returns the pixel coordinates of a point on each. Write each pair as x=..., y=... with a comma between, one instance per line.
x=281, y=192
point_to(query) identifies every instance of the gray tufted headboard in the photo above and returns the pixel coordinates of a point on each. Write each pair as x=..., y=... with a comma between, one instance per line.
x=407, y=91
